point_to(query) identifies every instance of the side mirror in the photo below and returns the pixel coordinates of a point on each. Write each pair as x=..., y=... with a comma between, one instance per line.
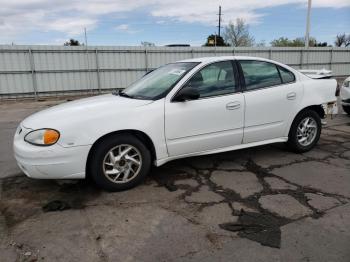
x=186, y=93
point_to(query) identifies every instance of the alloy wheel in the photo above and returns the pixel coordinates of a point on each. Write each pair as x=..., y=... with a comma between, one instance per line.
x=122, y=163
x=307, y=131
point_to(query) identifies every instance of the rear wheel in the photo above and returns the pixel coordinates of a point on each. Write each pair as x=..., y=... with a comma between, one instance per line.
x=305, y=131
x=346, y=109
x=119, y=163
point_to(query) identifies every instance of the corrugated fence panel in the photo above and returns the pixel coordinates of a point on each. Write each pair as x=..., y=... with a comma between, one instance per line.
x=288, y=56
x=119, y=79
x=44, y=70
x=64, y=61
x=48, y=82
x=341, y=56
x=342, y=69
x=15, y=84
x=14, y=61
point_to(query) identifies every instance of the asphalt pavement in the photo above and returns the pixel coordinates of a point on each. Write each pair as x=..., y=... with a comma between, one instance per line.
x=258, y=204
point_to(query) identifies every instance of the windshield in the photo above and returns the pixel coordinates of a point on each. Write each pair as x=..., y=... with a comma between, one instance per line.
x=159, y=82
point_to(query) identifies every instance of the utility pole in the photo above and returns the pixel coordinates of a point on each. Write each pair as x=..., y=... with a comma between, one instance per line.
x=219, y=26
x=307, y=33
x=85, y=36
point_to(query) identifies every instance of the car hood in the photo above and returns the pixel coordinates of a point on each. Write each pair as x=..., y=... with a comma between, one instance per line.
x=86, y=108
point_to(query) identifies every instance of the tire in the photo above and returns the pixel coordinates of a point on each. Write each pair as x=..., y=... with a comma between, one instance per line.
x=296, y=138
x=346, y=109
x=108, y=170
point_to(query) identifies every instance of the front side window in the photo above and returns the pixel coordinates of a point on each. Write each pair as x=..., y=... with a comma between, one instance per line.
x=159, y=82
x=260, y=74
x=214, y=79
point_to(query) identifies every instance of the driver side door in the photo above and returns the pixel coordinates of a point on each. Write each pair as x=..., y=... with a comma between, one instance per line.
x=214, y=120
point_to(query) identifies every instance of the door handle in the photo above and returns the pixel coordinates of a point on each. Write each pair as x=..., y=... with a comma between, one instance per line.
x=233, y=105
x=291, y=96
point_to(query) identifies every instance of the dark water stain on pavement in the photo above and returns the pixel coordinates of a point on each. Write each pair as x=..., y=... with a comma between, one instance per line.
x=262, y=228
x=22, y=197
x=56, y=205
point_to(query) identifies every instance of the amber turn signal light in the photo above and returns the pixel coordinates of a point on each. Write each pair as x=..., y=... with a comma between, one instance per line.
x=50, y=136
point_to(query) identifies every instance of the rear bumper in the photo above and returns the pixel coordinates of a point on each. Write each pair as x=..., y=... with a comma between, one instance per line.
x=52, y=162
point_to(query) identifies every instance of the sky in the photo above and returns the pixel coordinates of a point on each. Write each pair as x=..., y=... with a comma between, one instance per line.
x=120, y=22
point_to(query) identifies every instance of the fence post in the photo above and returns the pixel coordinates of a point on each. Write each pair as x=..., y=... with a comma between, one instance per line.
x=307, y=57
x=331, y=60
x=98, y=71
x=88, y=76
x=146, y=59
x=32, y=70
x=270, y=53
x=192, y=55
x=301, y=58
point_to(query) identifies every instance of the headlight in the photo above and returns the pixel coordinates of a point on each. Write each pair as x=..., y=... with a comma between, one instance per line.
x=42, y=137
x=346, y=84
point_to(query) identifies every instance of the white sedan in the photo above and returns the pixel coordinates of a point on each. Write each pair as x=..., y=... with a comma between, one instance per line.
x=187, y=108
x=345, y=95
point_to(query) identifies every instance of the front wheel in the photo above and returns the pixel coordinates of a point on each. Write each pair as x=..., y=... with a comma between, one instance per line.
x=305, y=131
x=346, y=109
x=119, y=162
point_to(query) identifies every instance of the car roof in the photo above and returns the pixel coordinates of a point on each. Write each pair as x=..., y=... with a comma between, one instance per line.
x=210, y=59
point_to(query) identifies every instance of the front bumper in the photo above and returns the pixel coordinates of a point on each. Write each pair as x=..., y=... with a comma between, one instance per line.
x=51, y=162
x=345, y=102
x=345, y=96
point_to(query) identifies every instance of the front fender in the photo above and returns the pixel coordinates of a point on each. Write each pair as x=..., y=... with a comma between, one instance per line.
x=148, y=119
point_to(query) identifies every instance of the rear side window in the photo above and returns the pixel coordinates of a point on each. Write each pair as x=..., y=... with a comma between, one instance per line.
x=260, y=74
x=286, y=75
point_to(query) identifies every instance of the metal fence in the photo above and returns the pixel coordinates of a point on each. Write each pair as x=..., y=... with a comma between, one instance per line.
x=35, y=71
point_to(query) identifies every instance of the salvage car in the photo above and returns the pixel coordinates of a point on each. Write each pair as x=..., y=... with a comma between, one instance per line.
x=187, y=108
x=345, y=95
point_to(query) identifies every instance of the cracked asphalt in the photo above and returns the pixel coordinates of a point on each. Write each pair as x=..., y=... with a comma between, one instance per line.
x=258, y=204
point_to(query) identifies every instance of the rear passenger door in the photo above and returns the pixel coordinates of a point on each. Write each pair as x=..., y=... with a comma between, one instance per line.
x=271, y=95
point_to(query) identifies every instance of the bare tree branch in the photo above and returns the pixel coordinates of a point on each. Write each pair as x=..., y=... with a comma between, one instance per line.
x=342, y=40
x=237, y=34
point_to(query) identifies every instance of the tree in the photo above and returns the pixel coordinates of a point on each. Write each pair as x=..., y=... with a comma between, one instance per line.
x=237, y=34
x=261, y=44
x=72, y=42
x=284, y=41
x=297, y=42
x=215, y=38
x=321, y=44
x=342, y=40
x=147, y=44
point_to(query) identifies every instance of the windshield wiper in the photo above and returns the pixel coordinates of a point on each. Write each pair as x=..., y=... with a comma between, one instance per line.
x=121, y=93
